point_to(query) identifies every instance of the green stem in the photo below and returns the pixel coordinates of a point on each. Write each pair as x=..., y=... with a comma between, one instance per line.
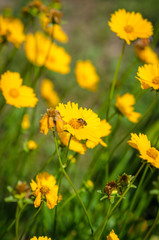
x=153, y=226
x=17, y=218
x=134, y=200
x=70, y=182
x=114, y=81
x=105, y=222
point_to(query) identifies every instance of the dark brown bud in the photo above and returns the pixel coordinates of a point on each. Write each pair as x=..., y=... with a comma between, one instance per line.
x=124, y=180
x=55, y=16
x=111, y=188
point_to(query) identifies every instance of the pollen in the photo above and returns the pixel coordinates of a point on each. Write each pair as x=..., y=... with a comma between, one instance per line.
x=155, y=80
x=152, y=153
x=13, y=92
x=128, y=29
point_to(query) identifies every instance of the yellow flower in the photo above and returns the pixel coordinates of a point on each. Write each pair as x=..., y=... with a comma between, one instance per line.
x=40, y=238
x=48, y=93
x=125, y=106
x=55, y=30
x=32, y=145
x=81, y=123
x=41, y=51
x=13, y=30
x=105, y=129
x=25, y=124
x=112, y=236
x=74, y=145
x=130, y=25
x=14, y=92
x=86, y=75
x=146, y=55
x=45, y=187
x=89, y=184
x=148, y=75
x=143, y=145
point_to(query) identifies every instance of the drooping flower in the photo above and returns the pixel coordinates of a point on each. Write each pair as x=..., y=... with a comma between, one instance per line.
x=146, y=55
x=148, y=75
x=12, y=29
x=143, y=145
x=42, y=52
x=32, y=145
x=40, y=238
x=54, y=30
x=105, y=129
x=25, y=124
x=130, y=25
x=125, y=105
x=14, y=92
x=45, y=188
x=112, y=236
x=81, y=123
x=86, y=75
x=48, y=93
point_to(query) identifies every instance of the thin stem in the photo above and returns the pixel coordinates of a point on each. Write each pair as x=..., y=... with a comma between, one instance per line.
x=105, y=222
x=70, y=182
x=153, y=226
x=114, y=81
x=134, y=200
x=17, y=218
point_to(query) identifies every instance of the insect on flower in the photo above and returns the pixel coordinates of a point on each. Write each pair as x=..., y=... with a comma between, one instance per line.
x=82, y=122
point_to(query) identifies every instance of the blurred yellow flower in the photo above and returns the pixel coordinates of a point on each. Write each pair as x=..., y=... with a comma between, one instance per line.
x=54, y=30
x=148, y=75
x=86, y=75
x=14, y=92
x=125, y=105
x=146, y=54
x=81, y=123
x=48, y=93
x=130, y=25
x=45, y=187
x=72, y=158
x=89, y=184
x=25, y=124
x=13, y=30
x=143, y=145
x=42, y=52
x=40, y=238
x=32, y=145
x=105, y=129
x=112, y=236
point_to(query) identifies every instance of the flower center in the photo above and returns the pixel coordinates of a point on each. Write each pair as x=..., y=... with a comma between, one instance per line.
x=155, y=80
x=44, y=189
x=13, y=93
x=152, y=153
x=77, y=123
x=128, y=28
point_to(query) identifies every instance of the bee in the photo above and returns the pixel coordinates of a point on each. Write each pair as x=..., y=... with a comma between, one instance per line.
x=82, y=122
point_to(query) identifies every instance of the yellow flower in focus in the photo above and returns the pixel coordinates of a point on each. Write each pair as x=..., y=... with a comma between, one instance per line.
x=81, y=123
x=32, y=145
x=74, y=145
x=146, y=55
x=45, y=187
x=105, y=129
x=15, y=93
x=25, y=124
x=13, y=30
x=112, y=236
x=86, y=75
x=130, y=25
x=42, y=52
x=143, y=145
x=148, y=75
x=40, y=238
x=54, y=30
x=125, y=106
x=48, y=93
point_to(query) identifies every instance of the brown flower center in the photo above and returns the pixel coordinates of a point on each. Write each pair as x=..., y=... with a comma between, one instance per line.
x=155, y=80
x=13, y=93
x=128, y=28
x=152, y=153
x=77, y=123
x=44, y=189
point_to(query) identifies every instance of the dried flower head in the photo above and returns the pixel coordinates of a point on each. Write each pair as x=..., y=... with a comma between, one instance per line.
x=111, y=188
